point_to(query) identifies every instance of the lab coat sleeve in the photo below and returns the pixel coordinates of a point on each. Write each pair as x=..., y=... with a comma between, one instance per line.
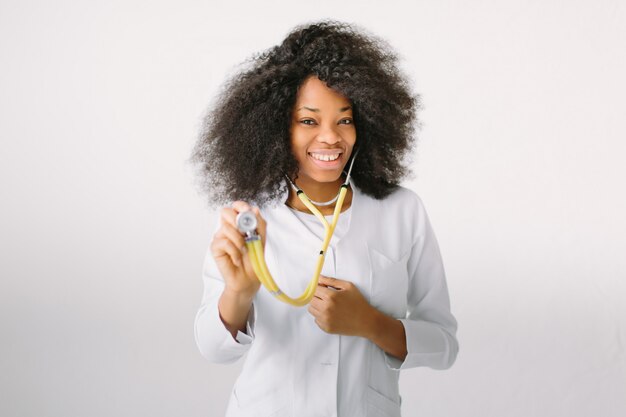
x=212, y=337
x=429, y=325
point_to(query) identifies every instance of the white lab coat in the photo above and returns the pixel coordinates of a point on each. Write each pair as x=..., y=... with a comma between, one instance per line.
x=295, y=369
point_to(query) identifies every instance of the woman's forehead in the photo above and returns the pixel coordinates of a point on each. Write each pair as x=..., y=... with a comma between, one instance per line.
x=314, y=93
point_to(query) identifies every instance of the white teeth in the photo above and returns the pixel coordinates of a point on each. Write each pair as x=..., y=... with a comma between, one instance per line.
x=322, y=157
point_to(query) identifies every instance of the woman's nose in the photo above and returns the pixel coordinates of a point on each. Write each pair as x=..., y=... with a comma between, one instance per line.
x=329, y=135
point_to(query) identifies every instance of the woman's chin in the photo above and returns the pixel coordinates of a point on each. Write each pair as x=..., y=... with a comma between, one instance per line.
x=325, y=176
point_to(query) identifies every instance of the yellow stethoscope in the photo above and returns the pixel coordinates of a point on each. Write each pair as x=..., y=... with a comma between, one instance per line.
x=247, y=223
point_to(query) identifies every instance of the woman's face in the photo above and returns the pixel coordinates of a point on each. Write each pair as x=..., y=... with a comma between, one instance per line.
x=322, y=131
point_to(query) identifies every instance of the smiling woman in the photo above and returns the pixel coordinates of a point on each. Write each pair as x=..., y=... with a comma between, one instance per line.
x=243, y=150
x=322, y=138
x=325, y=106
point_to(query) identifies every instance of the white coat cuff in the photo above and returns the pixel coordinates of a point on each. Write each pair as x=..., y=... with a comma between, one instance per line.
x=427, y=345
x=242, y=341
x=393, y=362
x=248, y=337
x=214, y=340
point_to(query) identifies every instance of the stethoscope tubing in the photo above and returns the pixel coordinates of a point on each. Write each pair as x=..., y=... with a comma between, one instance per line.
x=257, y=256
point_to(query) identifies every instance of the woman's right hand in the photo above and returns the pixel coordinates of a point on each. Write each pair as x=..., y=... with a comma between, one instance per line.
x=229, y=250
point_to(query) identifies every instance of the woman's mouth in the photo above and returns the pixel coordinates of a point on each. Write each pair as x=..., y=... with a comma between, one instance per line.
x=326, y=160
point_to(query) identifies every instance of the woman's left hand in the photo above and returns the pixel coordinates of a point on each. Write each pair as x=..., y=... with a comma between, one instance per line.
x=343, y=310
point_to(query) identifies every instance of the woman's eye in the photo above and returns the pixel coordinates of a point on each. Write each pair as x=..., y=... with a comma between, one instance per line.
x=307, y=121
x=346, y=121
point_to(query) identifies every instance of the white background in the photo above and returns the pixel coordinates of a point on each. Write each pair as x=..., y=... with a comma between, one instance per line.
x=520, y=166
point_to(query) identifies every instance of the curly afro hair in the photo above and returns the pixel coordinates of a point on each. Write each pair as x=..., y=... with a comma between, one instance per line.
x=243, y=149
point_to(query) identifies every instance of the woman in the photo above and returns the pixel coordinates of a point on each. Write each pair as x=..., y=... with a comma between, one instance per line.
x=298, y=114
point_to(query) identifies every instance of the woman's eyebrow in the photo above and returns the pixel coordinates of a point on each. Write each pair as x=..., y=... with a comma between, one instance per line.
x=341, y=110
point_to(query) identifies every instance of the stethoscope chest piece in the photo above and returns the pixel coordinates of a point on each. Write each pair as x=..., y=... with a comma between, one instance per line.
x=247, y=223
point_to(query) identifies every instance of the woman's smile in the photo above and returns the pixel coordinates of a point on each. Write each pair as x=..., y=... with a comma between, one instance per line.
x=326, y=159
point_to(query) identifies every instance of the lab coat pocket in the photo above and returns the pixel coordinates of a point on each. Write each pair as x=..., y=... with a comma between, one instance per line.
x=259, y=401
x=379, y=405
x=388, y=283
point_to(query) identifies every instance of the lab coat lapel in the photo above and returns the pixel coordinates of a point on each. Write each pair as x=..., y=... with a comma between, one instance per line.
x=352, y=250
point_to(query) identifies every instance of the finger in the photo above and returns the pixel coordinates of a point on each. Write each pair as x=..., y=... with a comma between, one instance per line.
x=228, y=215
x=324, y=293
x=223, y=246
x=332, y=282
x=316, y=303
x=223, y=249
x=233, y=234
x=321, y=325
x=314, y=312
x=316, y=296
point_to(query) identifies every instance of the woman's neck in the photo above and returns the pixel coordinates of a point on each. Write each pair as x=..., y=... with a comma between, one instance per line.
x=320, y=192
